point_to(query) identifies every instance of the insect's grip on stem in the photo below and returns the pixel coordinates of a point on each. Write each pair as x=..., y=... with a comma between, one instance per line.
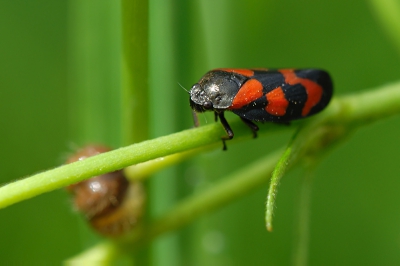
x=227, y=128
x=263, y=95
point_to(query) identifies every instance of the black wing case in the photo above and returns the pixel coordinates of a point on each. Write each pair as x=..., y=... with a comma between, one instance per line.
x=288, y=95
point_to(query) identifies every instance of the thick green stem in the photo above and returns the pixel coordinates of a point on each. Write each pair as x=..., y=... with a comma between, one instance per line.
x=313, y=140
x=388, y=13
x=346, y=111
x=94, y=72
x=135, y=113
x=116, y=159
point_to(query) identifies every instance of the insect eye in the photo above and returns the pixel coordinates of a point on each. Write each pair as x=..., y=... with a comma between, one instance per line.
x=208, y=105
x=196, y=88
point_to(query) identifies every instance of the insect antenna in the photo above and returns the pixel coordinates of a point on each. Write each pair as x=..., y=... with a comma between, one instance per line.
x=183, y=87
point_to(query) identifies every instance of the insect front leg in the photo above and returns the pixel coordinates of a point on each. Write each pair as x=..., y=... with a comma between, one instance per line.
x=195, y=119
x=227, y=128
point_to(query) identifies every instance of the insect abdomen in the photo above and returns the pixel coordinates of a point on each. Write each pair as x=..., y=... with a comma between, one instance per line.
x=287, y=94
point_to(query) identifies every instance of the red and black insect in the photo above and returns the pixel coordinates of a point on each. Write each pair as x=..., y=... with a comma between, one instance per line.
x=276, y=95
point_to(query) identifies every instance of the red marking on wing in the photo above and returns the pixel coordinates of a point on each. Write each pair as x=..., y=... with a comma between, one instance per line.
x=240, y=71
x=313, y=89
x=250, y=91
x=277, y=102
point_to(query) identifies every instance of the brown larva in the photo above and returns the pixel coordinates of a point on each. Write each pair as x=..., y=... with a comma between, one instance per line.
x=111, y=204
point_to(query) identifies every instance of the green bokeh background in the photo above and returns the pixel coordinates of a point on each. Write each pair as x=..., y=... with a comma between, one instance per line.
x=60, y=60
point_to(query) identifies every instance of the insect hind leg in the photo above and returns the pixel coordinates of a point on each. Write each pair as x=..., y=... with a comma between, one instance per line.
x=251, y=125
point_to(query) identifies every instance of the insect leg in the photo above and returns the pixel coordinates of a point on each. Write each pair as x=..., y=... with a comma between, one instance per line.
x=227, y=128
x=195, y=119
x=251, y=125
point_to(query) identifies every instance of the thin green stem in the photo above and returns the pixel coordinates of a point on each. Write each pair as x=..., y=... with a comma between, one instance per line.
x=277, y=174
x=314, y=139
x=144, y=170
x=302, y=235
x=346, y=111
x=105, y=253
x=340, y=119
x=116, y=159
x=106, y=162
x=231, y=187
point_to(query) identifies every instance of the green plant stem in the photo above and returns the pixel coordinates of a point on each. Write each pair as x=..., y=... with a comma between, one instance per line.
x=94, y=72
x=117, y=159
x=135, y=113
x=328, y=128
x=350, y=111
x=231, y=187
x=106, y=162
x=144, y=170
x=322, y=132
x=104, y=252
x=301, y=239
x=277, y=174
x=388, y=13
x=360, y=109
x=309, y=139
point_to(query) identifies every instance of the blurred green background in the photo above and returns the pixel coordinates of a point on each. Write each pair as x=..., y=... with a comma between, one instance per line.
x=60, y=79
